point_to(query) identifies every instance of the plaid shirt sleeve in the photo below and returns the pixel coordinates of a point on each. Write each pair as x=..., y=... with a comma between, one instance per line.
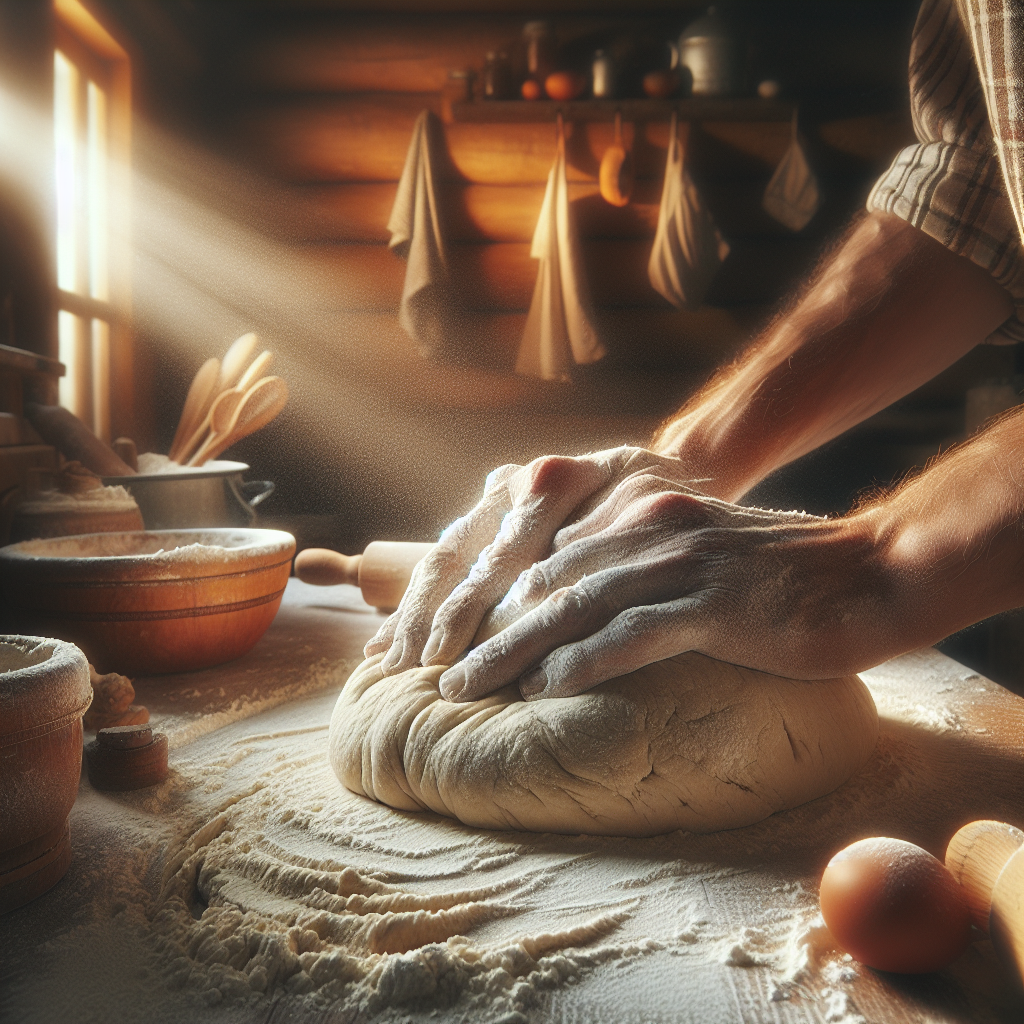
x=953, y=183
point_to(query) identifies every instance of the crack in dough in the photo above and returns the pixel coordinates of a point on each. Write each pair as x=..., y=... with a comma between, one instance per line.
x=687, y=743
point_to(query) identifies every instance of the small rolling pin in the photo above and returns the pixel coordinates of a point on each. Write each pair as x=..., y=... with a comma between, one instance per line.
x=382, y=572
x=987, y=859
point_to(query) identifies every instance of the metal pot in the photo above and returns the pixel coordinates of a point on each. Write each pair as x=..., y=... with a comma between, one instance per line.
x=710, y=51
x=210, y=495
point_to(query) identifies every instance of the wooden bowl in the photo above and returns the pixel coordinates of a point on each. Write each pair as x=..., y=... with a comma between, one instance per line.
x=149, y=602
x=44, y=691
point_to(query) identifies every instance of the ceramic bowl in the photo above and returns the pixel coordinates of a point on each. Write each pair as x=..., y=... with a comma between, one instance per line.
x=149, y=602
x=44, y=691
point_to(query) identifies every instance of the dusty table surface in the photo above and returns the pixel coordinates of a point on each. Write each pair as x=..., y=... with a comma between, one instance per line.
x=951, y=750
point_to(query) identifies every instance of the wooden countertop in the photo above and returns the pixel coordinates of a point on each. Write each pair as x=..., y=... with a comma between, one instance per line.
x=951, y=750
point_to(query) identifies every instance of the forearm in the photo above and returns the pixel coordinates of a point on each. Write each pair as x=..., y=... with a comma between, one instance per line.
x=952, y=539
x=887, y=312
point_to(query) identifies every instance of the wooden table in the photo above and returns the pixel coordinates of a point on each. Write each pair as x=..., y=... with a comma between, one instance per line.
x=950, y=751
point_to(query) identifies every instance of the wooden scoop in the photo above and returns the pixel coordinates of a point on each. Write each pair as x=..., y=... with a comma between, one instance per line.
x=201, y=394
x=260, y=404
x=616, y=174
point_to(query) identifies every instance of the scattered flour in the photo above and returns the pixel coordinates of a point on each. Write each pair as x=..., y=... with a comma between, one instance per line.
x=154, y=464
x=250, y=886
x=165, y=546
x=106, y=499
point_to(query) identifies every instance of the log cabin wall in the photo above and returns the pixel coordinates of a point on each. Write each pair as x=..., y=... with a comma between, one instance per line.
x=322, y=100
x=327, y=104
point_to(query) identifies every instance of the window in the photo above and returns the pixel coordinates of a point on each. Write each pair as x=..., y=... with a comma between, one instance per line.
x=91, y=117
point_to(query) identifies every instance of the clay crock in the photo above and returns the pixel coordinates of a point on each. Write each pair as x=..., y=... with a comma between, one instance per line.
x=150, y=602
x=44, y=691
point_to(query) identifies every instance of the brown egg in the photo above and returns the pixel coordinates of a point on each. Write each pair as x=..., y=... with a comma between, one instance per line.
x=564, y=85
x=893, y=906
x=531, y=89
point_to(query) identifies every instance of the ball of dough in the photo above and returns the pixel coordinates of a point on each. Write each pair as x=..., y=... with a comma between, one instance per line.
x=686, y=743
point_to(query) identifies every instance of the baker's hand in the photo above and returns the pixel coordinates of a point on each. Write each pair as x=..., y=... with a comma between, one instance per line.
x=657, y=569
x=481, y=555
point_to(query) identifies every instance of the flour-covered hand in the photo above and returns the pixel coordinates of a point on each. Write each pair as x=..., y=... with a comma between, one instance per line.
x=481, y=555
x=658, y=569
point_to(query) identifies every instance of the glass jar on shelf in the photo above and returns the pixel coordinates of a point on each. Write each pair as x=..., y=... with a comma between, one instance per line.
x=540, y=49
x=497, y=76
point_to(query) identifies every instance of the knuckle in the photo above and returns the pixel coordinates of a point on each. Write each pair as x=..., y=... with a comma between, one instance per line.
x=532, y=583
x=674, y=506
x=635, y=623
x=553, y=473
x=571, y=605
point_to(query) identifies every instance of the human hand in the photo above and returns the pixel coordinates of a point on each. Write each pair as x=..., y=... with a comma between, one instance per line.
x=481, y=555
x=656, y=569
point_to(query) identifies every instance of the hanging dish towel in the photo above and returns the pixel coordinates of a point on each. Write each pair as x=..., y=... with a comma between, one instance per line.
x=792, y=196
x=427, y=311
x=558, y=328
x=688, y=249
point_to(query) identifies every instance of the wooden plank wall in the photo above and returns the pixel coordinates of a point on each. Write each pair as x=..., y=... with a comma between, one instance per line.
x=394, y=446
x=328, y=106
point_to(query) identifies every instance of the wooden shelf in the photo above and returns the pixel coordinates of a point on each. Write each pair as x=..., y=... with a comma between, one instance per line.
x=745, y=108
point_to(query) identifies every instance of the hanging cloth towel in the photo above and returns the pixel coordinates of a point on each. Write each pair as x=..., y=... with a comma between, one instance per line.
x=688, y=249
x=792, y=196
x=427, y=311
x=558, y=328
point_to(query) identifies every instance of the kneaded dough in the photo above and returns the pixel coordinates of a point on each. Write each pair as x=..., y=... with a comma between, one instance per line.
x=687, y=743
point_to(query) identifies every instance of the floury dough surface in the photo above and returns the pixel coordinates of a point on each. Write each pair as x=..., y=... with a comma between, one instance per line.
x=686, y=743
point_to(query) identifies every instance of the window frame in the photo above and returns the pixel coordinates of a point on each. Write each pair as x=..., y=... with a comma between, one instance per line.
x=103, y=365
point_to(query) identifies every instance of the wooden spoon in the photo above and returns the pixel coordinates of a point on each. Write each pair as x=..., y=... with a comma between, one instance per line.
x=616, y=174
x=257, y=368
x=201, y=394
x=226, y=402
x=261, y=403
x=236, y=359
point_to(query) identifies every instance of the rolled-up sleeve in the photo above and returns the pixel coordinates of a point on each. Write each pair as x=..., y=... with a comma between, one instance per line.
x=950, y=184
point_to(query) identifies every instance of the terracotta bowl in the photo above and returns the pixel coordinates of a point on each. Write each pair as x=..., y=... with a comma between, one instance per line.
x=44, y=691
x=149, y=602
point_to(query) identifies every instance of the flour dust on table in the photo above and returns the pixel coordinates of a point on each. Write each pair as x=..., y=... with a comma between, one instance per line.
x=251, y=887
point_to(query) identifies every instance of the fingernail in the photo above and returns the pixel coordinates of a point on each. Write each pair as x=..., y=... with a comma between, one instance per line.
x=393, y=657
x=434, y=643
x=453, y=683
x=533, y=683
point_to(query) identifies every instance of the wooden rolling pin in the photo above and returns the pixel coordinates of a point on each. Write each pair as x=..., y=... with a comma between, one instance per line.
x=382, y=572
x=987, y=859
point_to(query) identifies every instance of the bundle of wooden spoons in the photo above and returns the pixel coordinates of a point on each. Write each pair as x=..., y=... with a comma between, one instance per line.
x=228, y=400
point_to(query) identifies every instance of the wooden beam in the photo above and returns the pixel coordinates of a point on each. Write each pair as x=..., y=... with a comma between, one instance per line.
x=501, y=275
x=358, y=212
x=366, y=139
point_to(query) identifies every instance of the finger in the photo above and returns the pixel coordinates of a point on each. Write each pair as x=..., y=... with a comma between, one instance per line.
x=634, y=638
x=657, y=536
x=615, y=503
x=544, y=494
x=500, y=476
x=567, y=615
x=436, y=576
x=381, y=640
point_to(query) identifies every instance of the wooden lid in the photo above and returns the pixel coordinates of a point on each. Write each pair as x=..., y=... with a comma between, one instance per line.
x=116, y=768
